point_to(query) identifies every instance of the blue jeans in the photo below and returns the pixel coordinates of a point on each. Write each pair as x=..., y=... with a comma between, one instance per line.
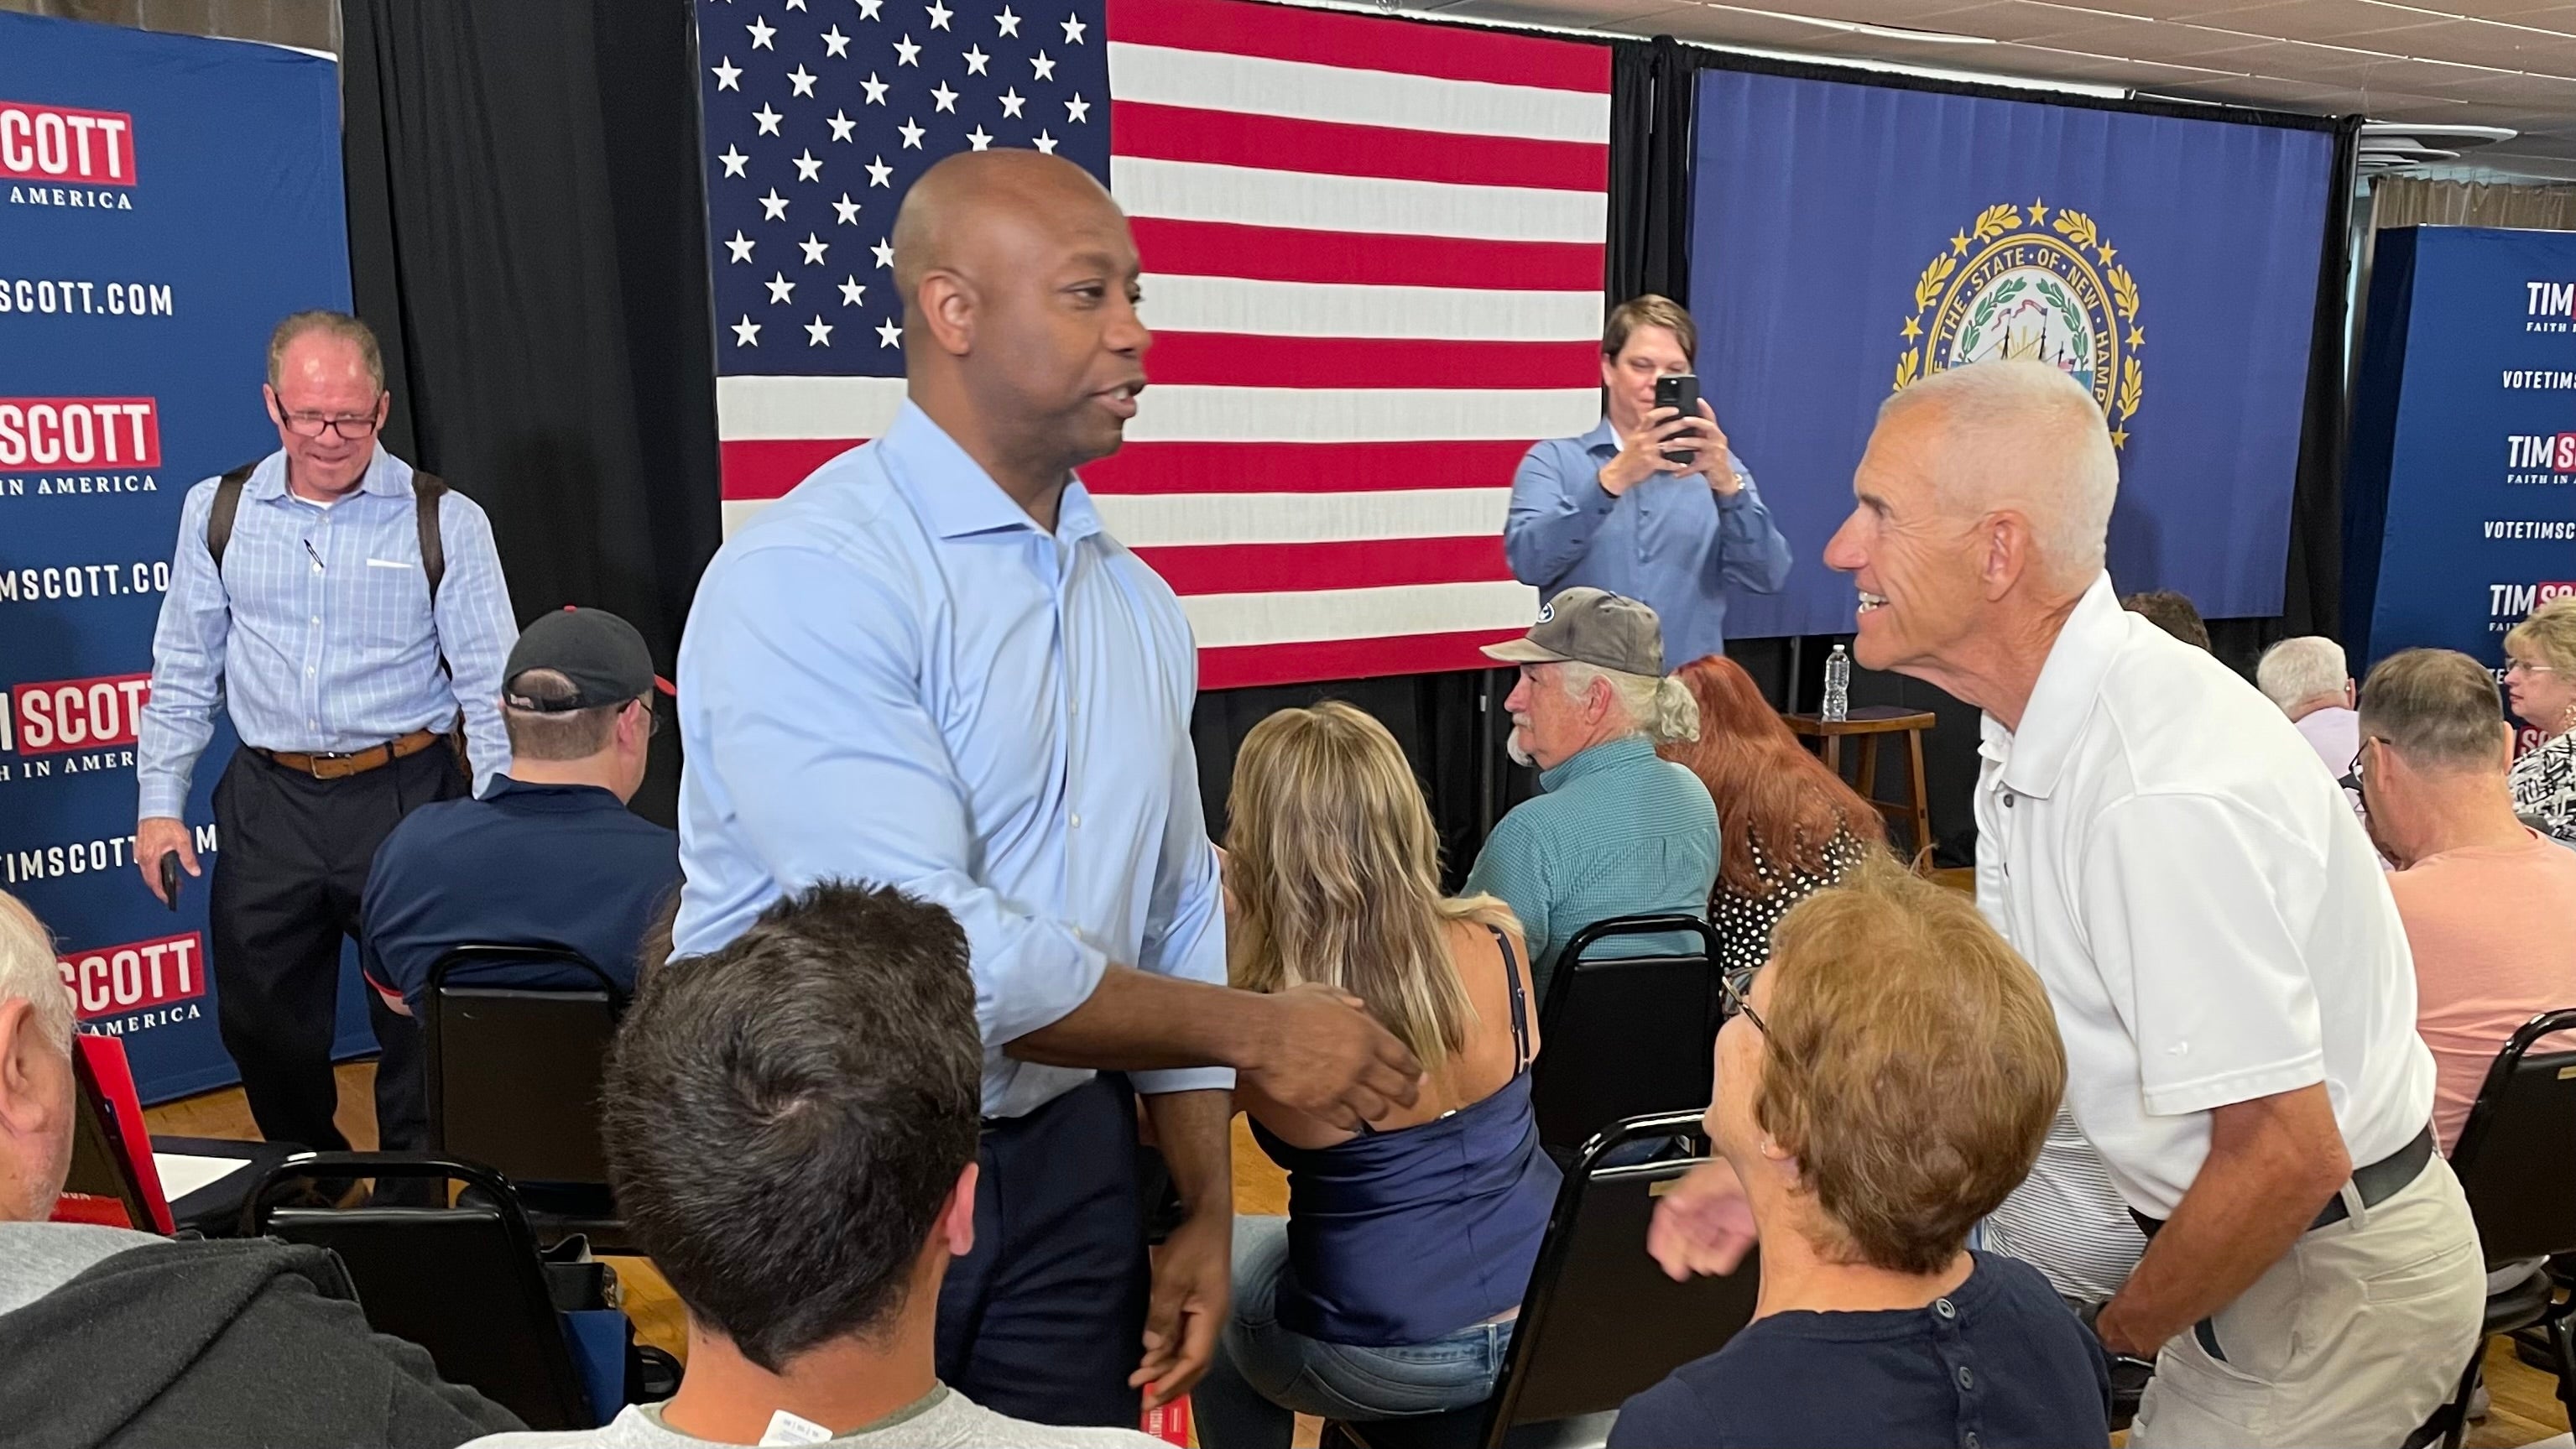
x=1265, y=1375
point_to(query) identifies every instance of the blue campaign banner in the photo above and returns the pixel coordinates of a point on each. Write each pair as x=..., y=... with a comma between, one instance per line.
x=2460, y=504
x=1849, y=238
x=163, y=201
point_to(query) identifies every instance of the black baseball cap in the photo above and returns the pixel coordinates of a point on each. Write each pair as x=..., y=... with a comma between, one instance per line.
x=599, y=652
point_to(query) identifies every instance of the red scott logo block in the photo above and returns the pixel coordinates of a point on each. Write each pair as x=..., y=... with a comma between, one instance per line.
x=74, y=714
x=57, y=143
x=114, y=980
x=80, y=432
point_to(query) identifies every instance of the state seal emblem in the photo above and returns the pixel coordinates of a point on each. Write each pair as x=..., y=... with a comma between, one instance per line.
x=2032, y=283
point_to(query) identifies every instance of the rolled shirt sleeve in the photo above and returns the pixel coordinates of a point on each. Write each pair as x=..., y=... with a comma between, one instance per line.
x=1557, y=505
x=475, y=630
x=1186, y=932
x=187, y=668
x=803, y=677
x=1750, y=552
x=2190, y=902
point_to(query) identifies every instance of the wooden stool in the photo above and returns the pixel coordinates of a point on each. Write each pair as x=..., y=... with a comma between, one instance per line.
x=1868, y=722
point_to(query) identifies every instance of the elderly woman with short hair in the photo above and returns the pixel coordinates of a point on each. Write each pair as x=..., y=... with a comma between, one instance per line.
x=1884, y=1086
x=2540, y=683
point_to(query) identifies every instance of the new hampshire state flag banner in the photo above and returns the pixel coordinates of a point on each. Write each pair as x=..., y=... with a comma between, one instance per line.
x=1851, y=239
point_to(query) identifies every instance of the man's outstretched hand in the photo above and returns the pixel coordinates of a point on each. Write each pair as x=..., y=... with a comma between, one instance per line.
x=1704, y=1225
x=1322, y=1055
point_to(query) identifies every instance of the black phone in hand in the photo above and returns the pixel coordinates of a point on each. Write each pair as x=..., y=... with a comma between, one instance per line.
x=1679, y=390
x=170, y=879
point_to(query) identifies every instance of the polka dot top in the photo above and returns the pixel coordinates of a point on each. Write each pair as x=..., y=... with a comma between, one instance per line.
x=1744, y=922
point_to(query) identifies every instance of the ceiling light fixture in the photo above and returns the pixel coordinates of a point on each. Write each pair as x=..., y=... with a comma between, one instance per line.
x=1931, y=72
x=1862, y=27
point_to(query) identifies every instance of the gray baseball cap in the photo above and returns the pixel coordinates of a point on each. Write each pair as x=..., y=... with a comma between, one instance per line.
x=1590, y=626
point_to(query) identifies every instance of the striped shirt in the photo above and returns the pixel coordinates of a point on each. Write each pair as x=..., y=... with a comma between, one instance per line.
x=318, y=637
x=1619, y=832
x=2067, y=1220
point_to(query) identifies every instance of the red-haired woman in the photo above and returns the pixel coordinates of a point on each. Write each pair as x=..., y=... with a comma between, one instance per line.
x=1787, y=825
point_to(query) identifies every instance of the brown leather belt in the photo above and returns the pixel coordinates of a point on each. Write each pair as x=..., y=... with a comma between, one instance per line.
x=357, y=762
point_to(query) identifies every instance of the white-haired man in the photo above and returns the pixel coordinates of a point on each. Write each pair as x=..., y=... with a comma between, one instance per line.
x=2307, y=677
x=1617, y=830
x=172, y=1344
x=2229, y=972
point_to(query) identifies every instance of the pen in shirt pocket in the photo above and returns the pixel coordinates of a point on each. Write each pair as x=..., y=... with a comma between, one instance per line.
x=309, y=553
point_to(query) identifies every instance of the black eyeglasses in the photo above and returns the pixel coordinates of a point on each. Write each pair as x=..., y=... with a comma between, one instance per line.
x=1736, y=998
x=314, y=425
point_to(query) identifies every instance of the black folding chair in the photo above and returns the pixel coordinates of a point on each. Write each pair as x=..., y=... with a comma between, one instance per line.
x=515, y=1074
x=463, y=1282
x=1625, y=1036
x=2516, y=1160
x=1601, y=1321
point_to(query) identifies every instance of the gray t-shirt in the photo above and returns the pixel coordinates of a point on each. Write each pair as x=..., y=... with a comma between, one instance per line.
x=37, y=1258
x=941, y=1419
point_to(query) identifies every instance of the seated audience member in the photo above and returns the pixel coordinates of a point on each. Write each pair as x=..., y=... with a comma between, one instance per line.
x=1391, y=1287
x=2486, y=900
x=2306, y=677
x=1884, y=1086
x=2174, y=613
x=791, y=1124
x=1617, y=832
x=1787, y=825
x=122, y=1339
x=2540, y=683
x=549, y=855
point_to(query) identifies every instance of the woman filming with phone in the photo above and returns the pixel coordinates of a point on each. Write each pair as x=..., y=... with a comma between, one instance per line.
x=1652, y=503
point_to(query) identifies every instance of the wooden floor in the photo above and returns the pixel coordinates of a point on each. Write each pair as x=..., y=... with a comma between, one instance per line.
x=2525, y=1408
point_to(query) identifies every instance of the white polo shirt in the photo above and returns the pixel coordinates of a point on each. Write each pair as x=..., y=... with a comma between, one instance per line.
x=2208, y=916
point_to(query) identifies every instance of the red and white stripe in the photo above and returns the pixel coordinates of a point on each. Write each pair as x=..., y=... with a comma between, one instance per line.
x=1373, y=255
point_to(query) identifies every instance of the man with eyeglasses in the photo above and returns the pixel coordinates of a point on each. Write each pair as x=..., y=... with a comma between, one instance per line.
x=350, y=616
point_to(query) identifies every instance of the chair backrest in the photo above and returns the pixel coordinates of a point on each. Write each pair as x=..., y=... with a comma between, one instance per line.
x=463, y=1282
x=515, y=1072
x=2516, y=1154
x=1601, y=1320
x=1625, y=1036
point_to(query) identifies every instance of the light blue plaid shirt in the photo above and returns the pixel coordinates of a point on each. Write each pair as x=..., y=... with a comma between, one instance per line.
x=318, y=637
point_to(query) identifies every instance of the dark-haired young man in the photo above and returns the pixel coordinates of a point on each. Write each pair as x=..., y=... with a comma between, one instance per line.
x=791, y=1123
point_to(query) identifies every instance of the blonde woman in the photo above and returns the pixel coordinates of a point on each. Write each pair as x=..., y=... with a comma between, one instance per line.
x=2540, y=683
x=1390, y=1288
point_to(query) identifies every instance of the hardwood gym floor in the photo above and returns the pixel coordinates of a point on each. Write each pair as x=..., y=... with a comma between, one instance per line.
x=2525, y=1410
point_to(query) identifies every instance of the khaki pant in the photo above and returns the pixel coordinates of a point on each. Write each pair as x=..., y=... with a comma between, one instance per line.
x=2354, y=1338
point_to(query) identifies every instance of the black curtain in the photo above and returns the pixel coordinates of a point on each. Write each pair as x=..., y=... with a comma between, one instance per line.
x=527, y=236
x=1651, y=107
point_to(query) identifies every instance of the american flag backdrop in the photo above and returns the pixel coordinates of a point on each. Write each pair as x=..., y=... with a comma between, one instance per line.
x=1373, y=257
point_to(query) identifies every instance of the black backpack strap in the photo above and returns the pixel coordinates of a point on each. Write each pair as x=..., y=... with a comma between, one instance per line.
x=426, y=489
x=219, y=517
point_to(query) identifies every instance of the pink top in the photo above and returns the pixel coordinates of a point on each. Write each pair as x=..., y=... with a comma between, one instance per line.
x=2492, y=951
x=2335, y=734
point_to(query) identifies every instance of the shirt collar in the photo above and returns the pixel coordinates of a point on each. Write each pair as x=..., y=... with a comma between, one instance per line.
x=565, y=799
x=2035, y=755
x=382, y=478
x=957, y=497
x=1602, y=436
x=1608, y=755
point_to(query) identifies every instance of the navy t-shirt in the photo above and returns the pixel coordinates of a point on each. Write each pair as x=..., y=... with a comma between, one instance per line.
x=535, y=865
x=2001, y=1362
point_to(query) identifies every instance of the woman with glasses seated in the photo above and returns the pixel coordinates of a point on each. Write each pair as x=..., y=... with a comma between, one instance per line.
x=1884, y=1085
x=1391, y=1286
x=2540, y=684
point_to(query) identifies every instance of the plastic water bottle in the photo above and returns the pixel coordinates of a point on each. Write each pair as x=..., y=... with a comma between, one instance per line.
x=1838, y=684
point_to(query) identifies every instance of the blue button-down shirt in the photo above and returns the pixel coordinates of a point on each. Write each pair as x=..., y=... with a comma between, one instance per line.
x=319, y=637
x=894, y=675
x=1670, y=541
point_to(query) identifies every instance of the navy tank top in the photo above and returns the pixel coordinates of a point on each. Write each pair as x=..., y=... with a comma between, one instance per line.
x=1405, y=1237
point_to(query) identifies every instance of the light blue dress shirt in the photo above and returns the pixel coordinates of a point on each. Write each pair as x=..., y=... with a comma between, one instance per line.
x=319, y=637
x=1670, y=542
x=893, y=675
